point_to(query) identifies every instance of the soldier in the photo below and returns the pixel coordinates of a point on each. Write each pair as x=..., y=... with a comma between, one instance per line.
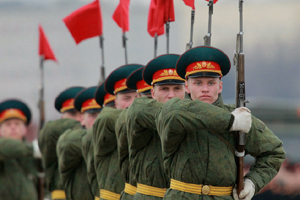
x=72, y=166
x=145, y=157
x=105, y=100
x=105, y=143
x=145, y=153
x=201, y=161
x=18, y=172
x=134, y=81
x=49, y=134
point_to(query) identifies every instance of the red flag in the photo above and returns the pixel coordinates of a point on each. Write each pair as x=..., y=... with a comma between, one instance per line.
x=215, y=1
x=121, y=15
x=156, y=18
x=190, y=3
x=86, y=22
x=169, y=11
x=44, y=47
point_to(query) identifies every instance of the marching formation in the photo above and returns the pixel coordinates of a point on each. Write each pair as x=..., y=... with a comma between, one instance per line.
x=154, y=131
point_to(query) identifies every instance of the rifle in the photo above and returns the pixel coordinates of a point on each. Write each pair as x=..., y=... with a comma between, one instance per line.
x=239, y=62
x=41, y=105
x=207, y=37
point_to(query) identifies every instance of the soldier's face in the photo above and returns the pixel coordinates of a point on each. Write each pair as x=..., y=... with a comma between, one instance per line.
x=13, y=128
x=88, y=119
x=163, y=93
x=205, y=89
x=123, y=100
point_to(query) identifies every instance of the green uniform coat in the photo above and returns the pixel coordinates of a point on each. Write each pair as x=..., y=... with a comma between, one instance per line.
x=72, y=167
x=48, y=138
x=145, y=144
x=17, y=170
x=192, y=154
x=87, y=149
x=106, y=152
x=121, y=133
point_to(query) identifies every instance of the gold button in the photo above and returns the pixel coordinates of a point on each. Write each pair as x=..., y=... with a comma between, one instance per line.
x=205, y=189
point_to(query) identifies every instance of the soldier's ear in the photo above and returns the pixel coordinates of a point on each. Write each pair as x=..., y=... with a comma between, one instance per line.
x=153, y=93
x=220, y=86
x=186, y=84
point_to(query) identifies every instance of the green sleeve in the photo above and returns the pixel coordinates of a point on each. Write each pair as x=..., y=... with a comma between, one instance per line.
x=104, y=137
x=121, y=133
x=11, y=149
x=141, y=115
x=179, y=117
x=267, y=149
x=69, y=154
x=88, y=155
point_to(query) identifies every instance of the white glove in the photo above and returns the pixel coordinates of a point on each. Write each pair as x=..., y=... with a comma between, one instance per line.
x=242, y=120
x=36, y=150
x=247, y=193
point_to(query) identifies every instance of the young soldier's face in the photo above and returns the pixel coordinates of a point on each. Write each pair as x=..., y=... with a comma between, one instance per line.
x=13, y=128
x=205, y=89
x=163, y=93
x=123, y=100
x=88, y=119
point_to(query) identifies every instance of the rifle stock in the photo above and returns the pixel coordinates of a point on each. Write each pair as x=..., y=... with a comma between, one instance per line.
x=207, y=37
x=41, y=105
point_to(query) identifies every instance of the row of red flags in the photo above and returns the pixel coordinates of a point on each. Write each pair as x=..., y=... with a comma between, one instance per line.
x=86, y=22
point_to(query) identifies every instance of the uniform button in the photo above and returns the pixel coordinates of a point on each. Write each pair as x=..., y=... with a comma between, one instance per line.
x=205, y=189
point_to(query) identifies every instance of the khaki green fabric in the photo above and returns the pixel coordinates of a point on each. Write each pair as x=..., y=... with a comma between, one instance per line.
x=192, y=154
x=72, y=167
x=87, y=149
x=123, y=153
x=18, y=172
x=146, y=161
x=145, y=146
x=48, y=138
x=106, y=152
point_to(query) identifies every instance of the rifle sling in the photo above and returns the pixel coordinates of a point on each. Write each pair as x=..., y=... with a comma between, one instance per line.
x=231, y=147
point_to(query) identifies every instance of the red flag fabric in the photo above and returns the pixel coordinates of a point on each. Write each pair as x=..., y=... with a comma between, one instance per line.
x=86, y=22
x=121, y=15
x=44, y=47
x=190, y=3
x=169, y=11
x=215, y=1
x=156, y=18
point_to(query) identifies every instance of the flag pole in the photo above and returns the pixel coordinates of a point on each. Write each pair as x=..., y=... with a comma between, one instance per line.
x=102, y=70
x=167, y=34
x=155, y=45
x=207, y=38
x=125, y=47
x=190, y=44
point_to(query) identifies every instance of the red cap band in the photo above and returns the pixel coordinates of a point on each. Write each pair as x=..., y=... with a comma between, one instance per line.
x=67, y=105
x=120, y=85
x=165, y=74
x=108, y=98
x=203, y=66
x=142, y=86
x=89, y=104
x=12, y=113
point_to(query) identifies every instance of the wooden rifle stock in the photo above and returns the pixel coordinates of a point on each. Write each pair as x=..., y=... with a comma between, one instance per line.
x=41, y=105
